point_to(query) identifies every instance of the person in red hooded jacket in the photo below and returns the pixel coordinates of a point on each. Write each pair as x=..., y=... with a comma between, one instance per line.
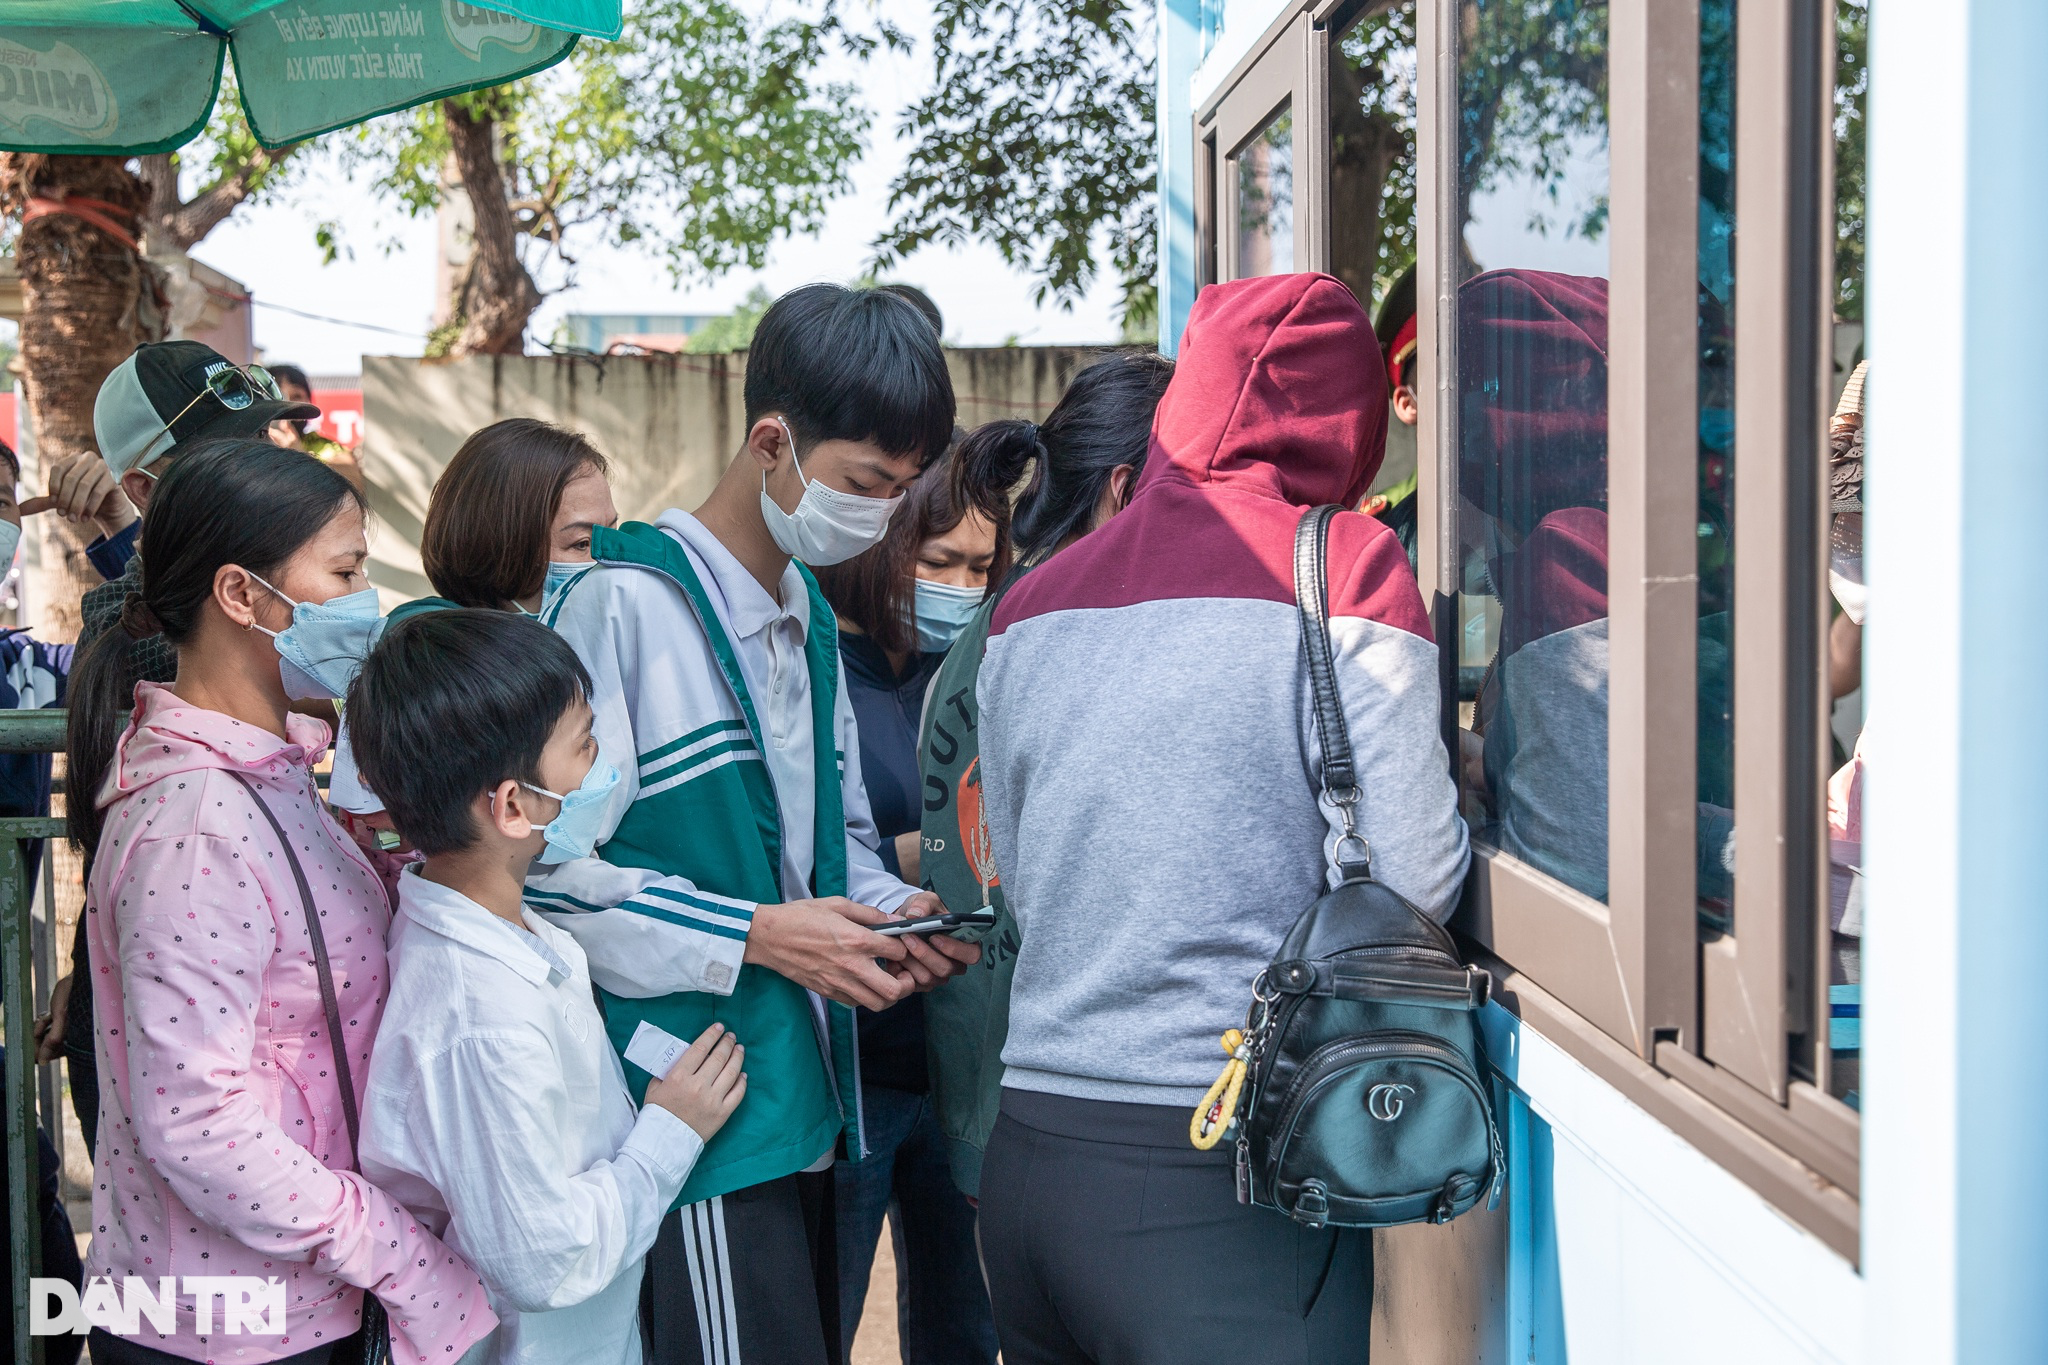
x=1149, y=777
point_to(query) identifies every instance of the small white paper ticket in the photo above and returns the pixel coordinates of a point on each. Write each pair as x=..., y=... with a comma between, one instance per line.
x=654, y=1050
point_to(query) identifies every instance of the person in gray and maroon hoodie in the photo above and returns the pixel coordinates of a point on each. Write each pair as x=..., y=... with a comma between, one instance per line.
x=1149, y=779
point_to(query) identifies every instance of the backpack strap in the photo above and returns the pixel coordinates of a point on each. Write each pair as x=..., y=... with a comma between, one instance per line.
x=1340, y=770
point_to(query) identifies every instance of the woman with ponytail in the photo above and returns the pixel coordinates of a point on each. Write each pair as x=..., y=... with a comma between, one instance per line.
x=226, y=1135
x=1077, y=469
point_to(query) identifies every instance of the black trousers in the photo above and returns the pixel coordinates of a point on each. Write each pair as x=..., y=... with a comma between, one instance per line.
x=1109, y=1240
x=749, y=1277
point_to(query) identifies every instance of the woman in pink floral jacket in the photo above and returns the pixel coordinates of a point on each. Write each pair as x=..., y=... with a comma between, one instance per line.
x=224, y=1148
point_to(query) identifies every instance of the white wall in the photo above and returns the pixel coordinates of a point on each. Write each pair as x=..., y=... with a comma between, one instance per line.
x=1628, y=1246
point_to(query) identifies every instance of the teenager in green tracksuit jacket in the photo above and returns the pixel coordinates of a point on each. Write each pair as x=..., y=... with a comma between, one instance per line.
x=736, y=866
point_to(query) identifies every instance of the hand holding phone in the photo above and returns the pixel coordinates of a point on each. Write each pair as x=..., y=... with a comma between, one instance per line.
x=939, y=924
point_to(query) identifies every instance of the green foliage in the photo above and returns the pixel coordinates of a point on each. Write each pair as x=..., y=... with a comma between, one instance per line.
x=441, y=339
x=734, y=331
x=1852, y=103
x=1141, y=315
x=1038, y=137
x=1532, y=85
x=227, y=151
x=1375, y=68
x=698, y=137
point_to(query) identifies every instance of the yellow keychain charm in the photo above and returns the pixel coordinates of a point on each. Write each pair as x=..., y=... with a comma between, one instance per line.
x=1212, y=1116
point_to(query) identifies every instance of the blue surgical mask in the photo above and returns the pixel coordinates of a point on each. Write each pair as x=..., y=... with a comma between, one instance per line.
x=560, y=575
x=552, y=588
x=324, y=646
x=10, y=541
x=943, y=611
x=573, y=832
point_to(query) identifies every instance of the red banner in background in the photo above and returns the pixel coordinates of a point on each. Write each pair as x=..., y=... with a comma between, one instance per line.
x=341, y=416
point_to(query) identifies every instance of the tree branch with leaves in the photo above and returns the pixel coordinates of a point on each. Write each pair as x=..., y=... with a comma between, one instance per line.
x=697, y=137
x=1037, y=135
x=235, y=169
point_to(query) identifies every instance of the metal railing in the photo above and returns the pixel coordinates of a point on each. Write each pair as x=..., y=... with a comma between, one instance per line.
x=25, y=732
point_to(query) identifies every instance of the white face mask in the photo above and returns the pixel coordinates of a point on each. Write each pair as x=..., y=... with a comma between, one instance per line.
x=10, y=541
x=828, y=526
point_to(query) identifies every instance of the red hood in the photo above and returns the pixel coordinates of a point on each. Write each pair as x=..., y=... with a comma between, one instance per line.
x=1278, y=403
x=1532, y=359
x=1279, y=390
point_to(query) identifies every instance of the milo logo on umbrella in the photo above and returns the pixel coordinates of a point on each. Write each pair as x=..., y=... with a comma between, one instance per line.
x=58, y=88
x=471, y=26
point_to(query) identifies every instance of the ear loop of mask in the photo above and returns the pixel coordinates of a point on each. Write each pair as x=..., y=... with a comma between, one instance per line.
x=273, y=634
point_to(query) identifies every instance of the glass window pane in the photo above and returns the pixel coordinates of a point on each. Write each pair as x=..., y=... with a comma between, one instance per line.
x=1265, y=200
x=1532, y=431
x=1716, y=549
x=1844, y=511
x=1372, y=227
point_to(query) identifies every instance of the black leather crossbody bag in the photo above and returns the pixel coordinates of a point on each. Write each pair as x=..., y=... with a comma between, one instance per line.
x=1364, y=1103
x=372, y=1345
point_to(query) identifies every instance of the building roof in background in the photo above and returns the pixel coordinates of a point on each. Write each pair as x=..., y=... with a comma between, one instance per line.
x=649, y=331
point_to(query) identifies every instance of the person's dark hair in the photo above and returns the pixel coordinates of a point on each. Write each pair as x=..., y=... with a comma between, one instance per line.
x=450, y=704
x=222, y=502
x=921, y=301
x=852, y=365
x=1102, y=421
x=290, y=374
x=485, y=543
x=876, y=589
x=13, y=461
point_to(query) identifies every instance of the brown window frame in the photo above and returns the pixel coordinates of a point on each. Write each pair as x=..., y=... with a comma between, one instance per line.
x=1275, y=74
x=1709, y=1037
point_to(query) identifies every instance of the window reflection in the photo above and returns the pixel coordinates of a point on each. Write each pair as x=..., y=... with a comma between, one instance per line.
x=1532, y=480
x=1532, y=431
x=1844, y=954
x=1372, y=229
x=1265, y=200
x=1715, y=871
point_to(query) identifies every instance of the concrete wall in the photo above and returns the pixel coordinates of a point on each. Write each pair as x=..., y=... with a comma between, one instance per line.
x=668, y=423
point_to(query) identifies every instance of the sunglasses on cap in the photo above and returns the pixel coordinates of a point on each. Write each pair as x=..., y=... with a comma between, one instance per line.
x=236, y=386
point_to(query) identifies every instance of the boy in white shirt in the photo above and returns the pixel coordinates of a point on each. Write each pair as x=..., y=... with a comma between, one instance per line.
x=496, y=1108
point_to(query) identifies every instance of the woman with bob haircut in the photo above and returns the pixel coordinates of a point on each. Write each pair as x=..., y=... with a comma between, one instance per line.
x=510, y=518
x=508, y=528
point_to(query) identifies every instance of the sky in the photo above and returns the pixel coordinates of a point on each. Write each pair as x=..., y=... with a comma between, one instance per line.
x=271, y=250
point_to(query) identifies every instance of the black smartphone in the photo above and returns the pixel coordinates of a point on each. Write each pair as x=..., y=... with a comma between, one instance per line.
x=939, y=924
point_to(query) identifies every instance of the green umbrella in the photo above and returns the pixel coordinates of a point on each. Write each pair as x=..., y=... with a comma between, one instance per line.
x=128, y=77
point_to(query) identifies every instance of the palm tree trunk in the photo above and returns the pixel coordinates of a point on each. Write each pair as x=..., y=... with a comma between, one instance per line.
x=88, y=299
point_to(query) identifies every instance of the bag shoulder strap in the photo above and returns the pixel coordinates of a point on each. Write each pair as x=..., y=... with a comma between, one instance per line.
x=1340, y=768
x=337, y=1042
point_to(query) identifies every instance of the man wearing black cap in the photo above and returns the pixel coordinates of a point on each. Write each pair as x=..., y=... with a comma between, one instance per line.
x=164, y=397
